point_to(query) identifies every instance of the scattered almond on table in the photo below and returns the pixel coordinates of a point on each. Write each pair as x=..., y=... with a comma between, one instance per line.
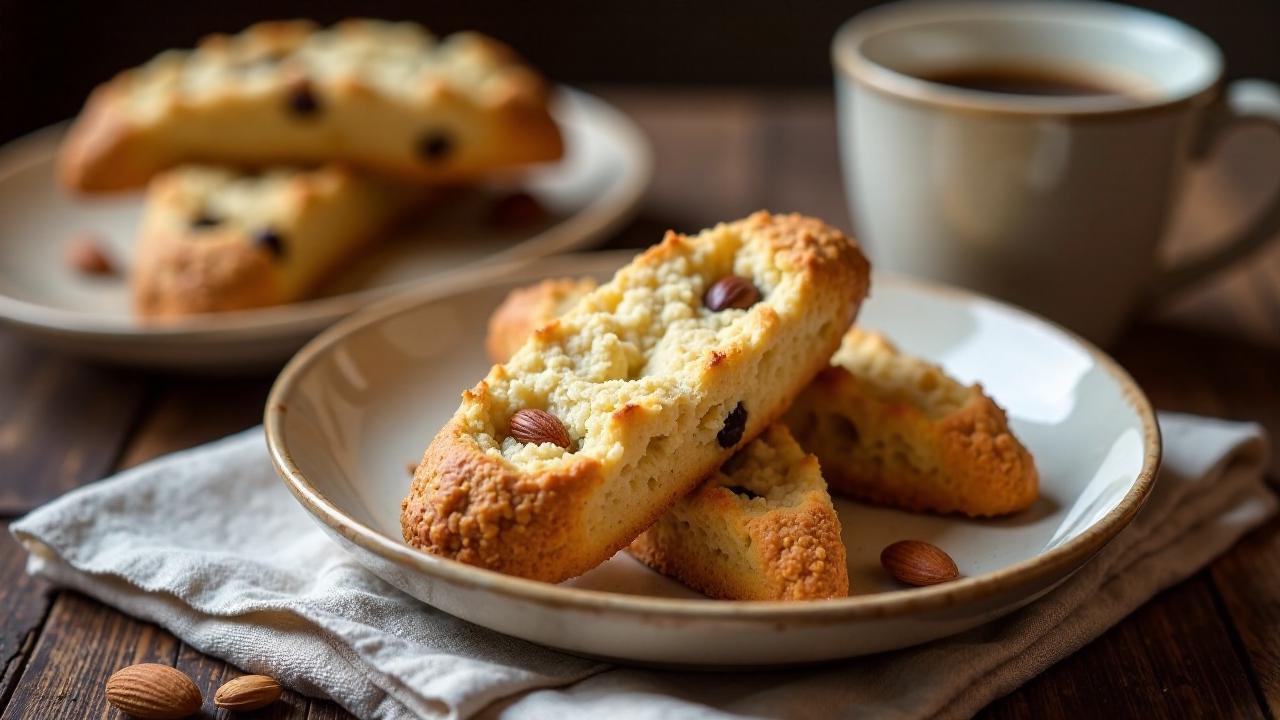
x=248, y=692
x=150, y=691
x=916, y=562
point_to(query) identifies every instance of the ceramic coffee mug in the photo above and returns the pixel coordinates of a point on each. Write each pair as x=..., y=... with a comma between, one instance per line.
x=1057, y=202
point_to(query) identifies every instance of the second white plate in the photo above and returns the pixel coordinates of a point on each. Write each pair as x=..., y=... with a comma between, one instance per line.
x=596, y=187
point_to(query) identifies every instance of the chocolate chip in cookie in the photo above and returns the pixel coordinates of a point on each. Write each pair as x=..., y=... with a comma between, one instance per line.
x=302, y=100
x=435, y=146
x=204, y=221
x=734, y=425
x=269, y=240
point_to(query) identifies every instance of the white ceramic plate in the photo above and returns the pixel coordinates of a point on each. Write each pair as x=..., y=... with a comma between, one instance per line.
x=364, y=398
x=596, y=187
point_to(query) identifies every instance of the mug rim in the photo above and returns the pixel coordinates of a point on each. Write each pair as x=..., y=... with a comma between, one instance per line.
x=850, y=61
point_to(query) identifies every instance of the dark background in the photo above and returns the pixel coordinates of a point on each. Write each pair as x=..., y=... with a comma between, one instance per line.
x=52, y=52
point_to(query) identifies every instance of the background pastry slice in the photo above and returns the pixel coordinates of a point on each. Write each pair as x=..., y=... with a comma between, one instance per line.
x=383, y=96
x=761, y=528
x=214, y=239
x=639, y=392
x=893, y=429
x=526, y=309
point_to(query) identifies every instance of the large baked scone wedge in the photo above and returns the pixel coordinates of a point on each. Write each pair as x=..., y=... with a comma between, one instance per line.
x=214, y=239
x=761, y=528
x=635, y=395
x=380, y=95
x=893, y=429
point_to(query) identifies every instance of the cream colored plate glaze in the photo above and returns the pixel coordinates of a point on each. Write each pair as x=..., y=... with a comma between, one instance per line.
x=363, y=399
x=592, y=191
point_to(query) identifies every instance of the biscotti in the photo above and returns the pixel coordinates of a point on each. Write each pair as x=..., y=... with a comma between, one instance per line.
x=651, y=388
x=526, y=309
x=761, y=528
x=215, y=240
x=384, y=96
x=895, y=430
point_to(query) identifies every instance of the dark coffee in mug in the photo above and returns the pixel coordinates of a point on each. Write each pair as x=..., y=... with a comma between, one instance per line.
x=1015, y=80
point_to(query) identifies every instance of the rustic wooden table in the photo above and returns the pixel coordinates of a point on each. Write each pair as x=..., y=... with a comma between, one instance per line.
x=1206, y=647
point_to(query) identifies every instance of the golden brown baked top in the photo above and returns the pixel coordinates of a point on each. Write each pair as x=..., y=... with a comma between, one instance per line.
x=395, y=60
x=760, y=528
x=895, y=377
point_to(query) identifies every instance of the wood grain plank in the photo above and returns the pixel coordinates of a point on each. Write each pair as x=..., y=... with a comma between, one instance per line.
x=188, y=412
x=1246, y=580
x=82, y=644
x=708, y=159
x=324, y=710
x=801, y=158
x=1247, y=377
x=62, y=422
x=24, y=603
x=1172, y=658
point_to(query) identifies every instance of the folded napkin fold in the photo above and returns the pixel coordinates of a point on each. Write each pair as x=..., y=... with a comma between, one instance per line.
x=208, y=544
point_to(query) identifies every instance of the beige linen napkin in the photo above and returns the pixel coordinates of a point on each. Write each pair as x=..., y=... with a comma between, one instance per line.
x=208, y=544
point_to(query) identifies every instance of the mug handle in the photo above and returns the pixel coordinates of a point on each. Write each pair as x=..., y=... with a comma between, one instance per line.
x=1245, y=102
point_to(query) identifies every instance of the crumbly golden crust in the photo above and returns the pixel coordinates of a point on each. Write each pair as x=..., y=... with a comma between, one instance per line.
x=380, y=95
x=778, y=540
x=894, y=430
x=526, y=309
x=214, y=240
x=644, y=378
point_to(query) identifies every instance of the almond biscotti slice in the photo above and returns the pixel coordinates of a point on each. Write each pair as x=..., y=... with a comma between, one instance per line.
x=761, y=528
x=214, y=239
x=893, y=429
x=605, y=417
x=380, y=95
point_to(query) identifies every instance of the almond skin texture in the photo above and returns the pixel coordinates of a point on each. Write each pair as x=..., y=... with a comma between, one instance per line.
x=731, y=291
x=85, y=255
x=915, y=562
x=249, y=692
x=538, y=426
x=153, y=692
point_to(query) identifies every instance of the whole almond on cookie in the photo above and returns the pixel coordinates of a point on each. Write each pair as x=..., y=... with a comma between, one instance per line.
x=153, y=692
x=916, y=562
x=248, y=692
x=538, y=426
x=731, y=291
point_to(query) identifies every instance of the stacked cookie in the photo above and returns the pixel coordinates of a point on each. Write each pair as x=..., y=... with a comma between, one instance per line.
x=318, y=140
x=880, y=425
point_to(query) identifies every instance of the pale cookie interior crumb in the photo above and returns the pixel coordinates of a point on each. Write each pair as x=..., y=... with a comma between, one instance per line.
x=894, y=377
x=772, y=470
x=610, y=350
